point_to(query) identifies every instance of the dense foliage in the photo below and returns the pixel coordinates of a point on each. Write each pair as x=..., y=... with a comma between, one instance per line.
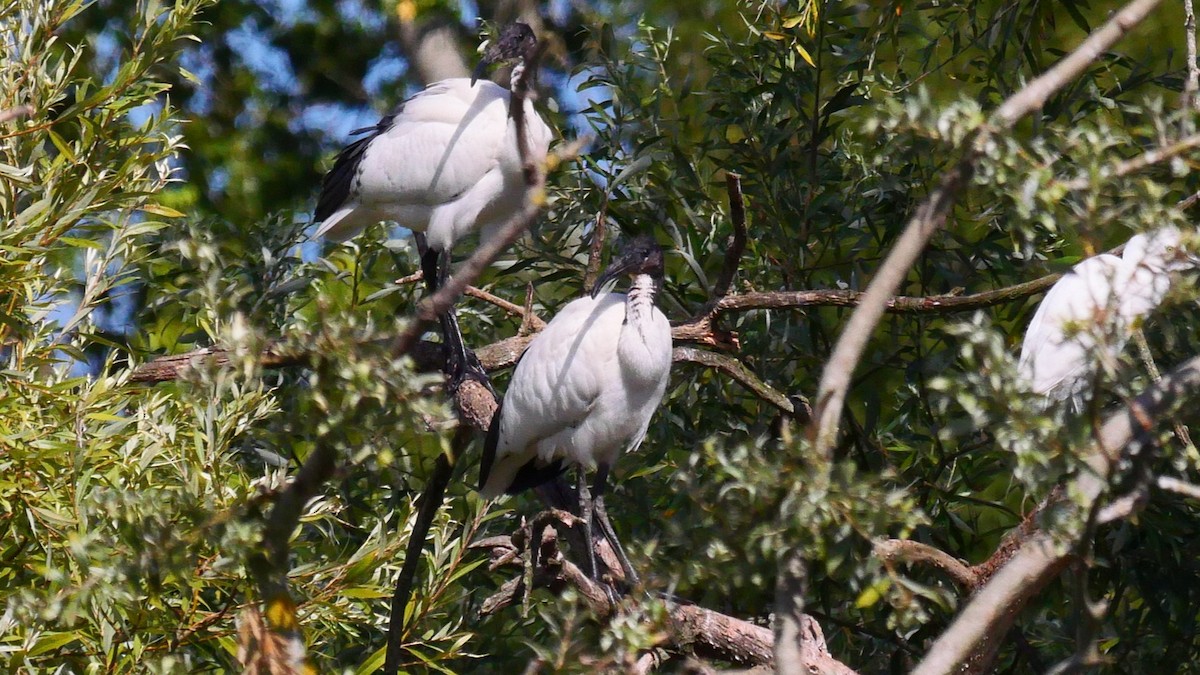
x=154, y=199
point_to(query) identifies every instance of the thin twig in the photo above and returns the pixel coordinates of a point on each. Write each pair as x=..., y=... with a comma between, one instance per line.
x=1181, y=431
x=738, y=372
x=480, y=294
x=1136, y=164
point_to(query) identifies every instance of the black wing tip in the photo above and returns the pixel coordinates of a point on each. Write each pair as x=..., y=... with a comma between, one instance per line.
x=338, y=183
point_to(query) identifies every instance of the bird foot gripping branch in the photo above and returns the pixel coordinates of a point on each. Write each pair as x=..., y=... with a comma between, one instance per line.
x=535, y=549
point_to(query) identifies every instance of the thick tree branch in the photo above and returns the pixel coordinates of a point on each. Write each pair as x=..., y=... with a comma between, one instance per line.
x=432, y=47
x=986, y=619
x=928, y=218
x=693, y=629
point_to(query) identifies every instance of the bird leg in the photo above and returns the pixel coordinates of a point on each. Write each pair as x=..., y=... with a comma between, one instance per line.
x=585, y=514
x=631, y=577
x=461, y=363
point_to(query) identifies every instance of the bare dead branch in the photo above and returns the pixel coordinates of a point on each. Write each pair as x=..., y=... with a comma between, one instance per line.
x=737, y=372
x=527, y=316
x=977, y=630
x=530, y=322
x=504, y=354
x=737, y=241
x=526, y=312
x=694, y=629
x=903, y=550
x=599, y=230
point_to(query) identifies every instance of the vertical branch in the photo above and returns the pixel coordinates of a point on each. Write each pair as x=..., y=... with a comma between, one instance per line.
x=599, y=230
x=485, y=253
x=1192, y=83
x=737, y=241
x=270, y=565
x=430, y=503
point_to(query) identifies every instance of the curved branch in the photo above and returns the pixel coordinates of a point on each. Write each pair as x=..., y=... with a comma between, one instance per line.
x=980, y=626
x=928, y=218
x=905, y=550
x=737, y=372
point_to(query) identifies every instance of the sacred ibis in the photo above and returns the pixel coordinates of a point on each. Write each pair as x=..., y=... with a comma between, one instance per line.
x=1088, y=316
x=444, y=163
x=584, y=391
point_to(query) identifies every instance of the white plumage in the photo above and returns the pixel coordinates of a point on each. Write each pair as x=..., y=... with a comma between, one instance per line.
x=1087, y=317
x=445, y=163
x=585, y=389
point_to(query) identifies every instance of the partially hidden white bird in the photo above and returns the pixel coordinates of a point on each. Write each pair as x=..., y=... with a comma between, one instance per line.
x=584, y=392
x=444, y=163
x=1088, y=316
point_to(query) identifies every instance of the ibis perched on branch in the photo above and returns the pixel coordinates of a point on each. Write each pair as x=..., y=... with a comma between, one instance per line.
x=1086, y=318
x=584, y=391
x=444, y=163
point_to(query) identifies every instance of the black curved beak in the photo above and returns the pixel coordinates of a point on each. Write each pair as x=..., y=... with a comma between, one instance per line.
x=616, y=269
x=481, y=70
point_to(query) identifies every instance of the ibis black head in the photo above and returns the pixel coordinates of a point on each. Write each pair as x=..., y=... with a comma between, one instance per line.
x=640, y=255
x=516, y=42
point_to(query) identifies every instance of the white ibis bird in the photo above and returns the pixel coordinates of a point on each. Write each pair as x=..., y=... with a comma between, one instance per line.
x=584, y=391
x=1090, y=314
x=444, y=163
